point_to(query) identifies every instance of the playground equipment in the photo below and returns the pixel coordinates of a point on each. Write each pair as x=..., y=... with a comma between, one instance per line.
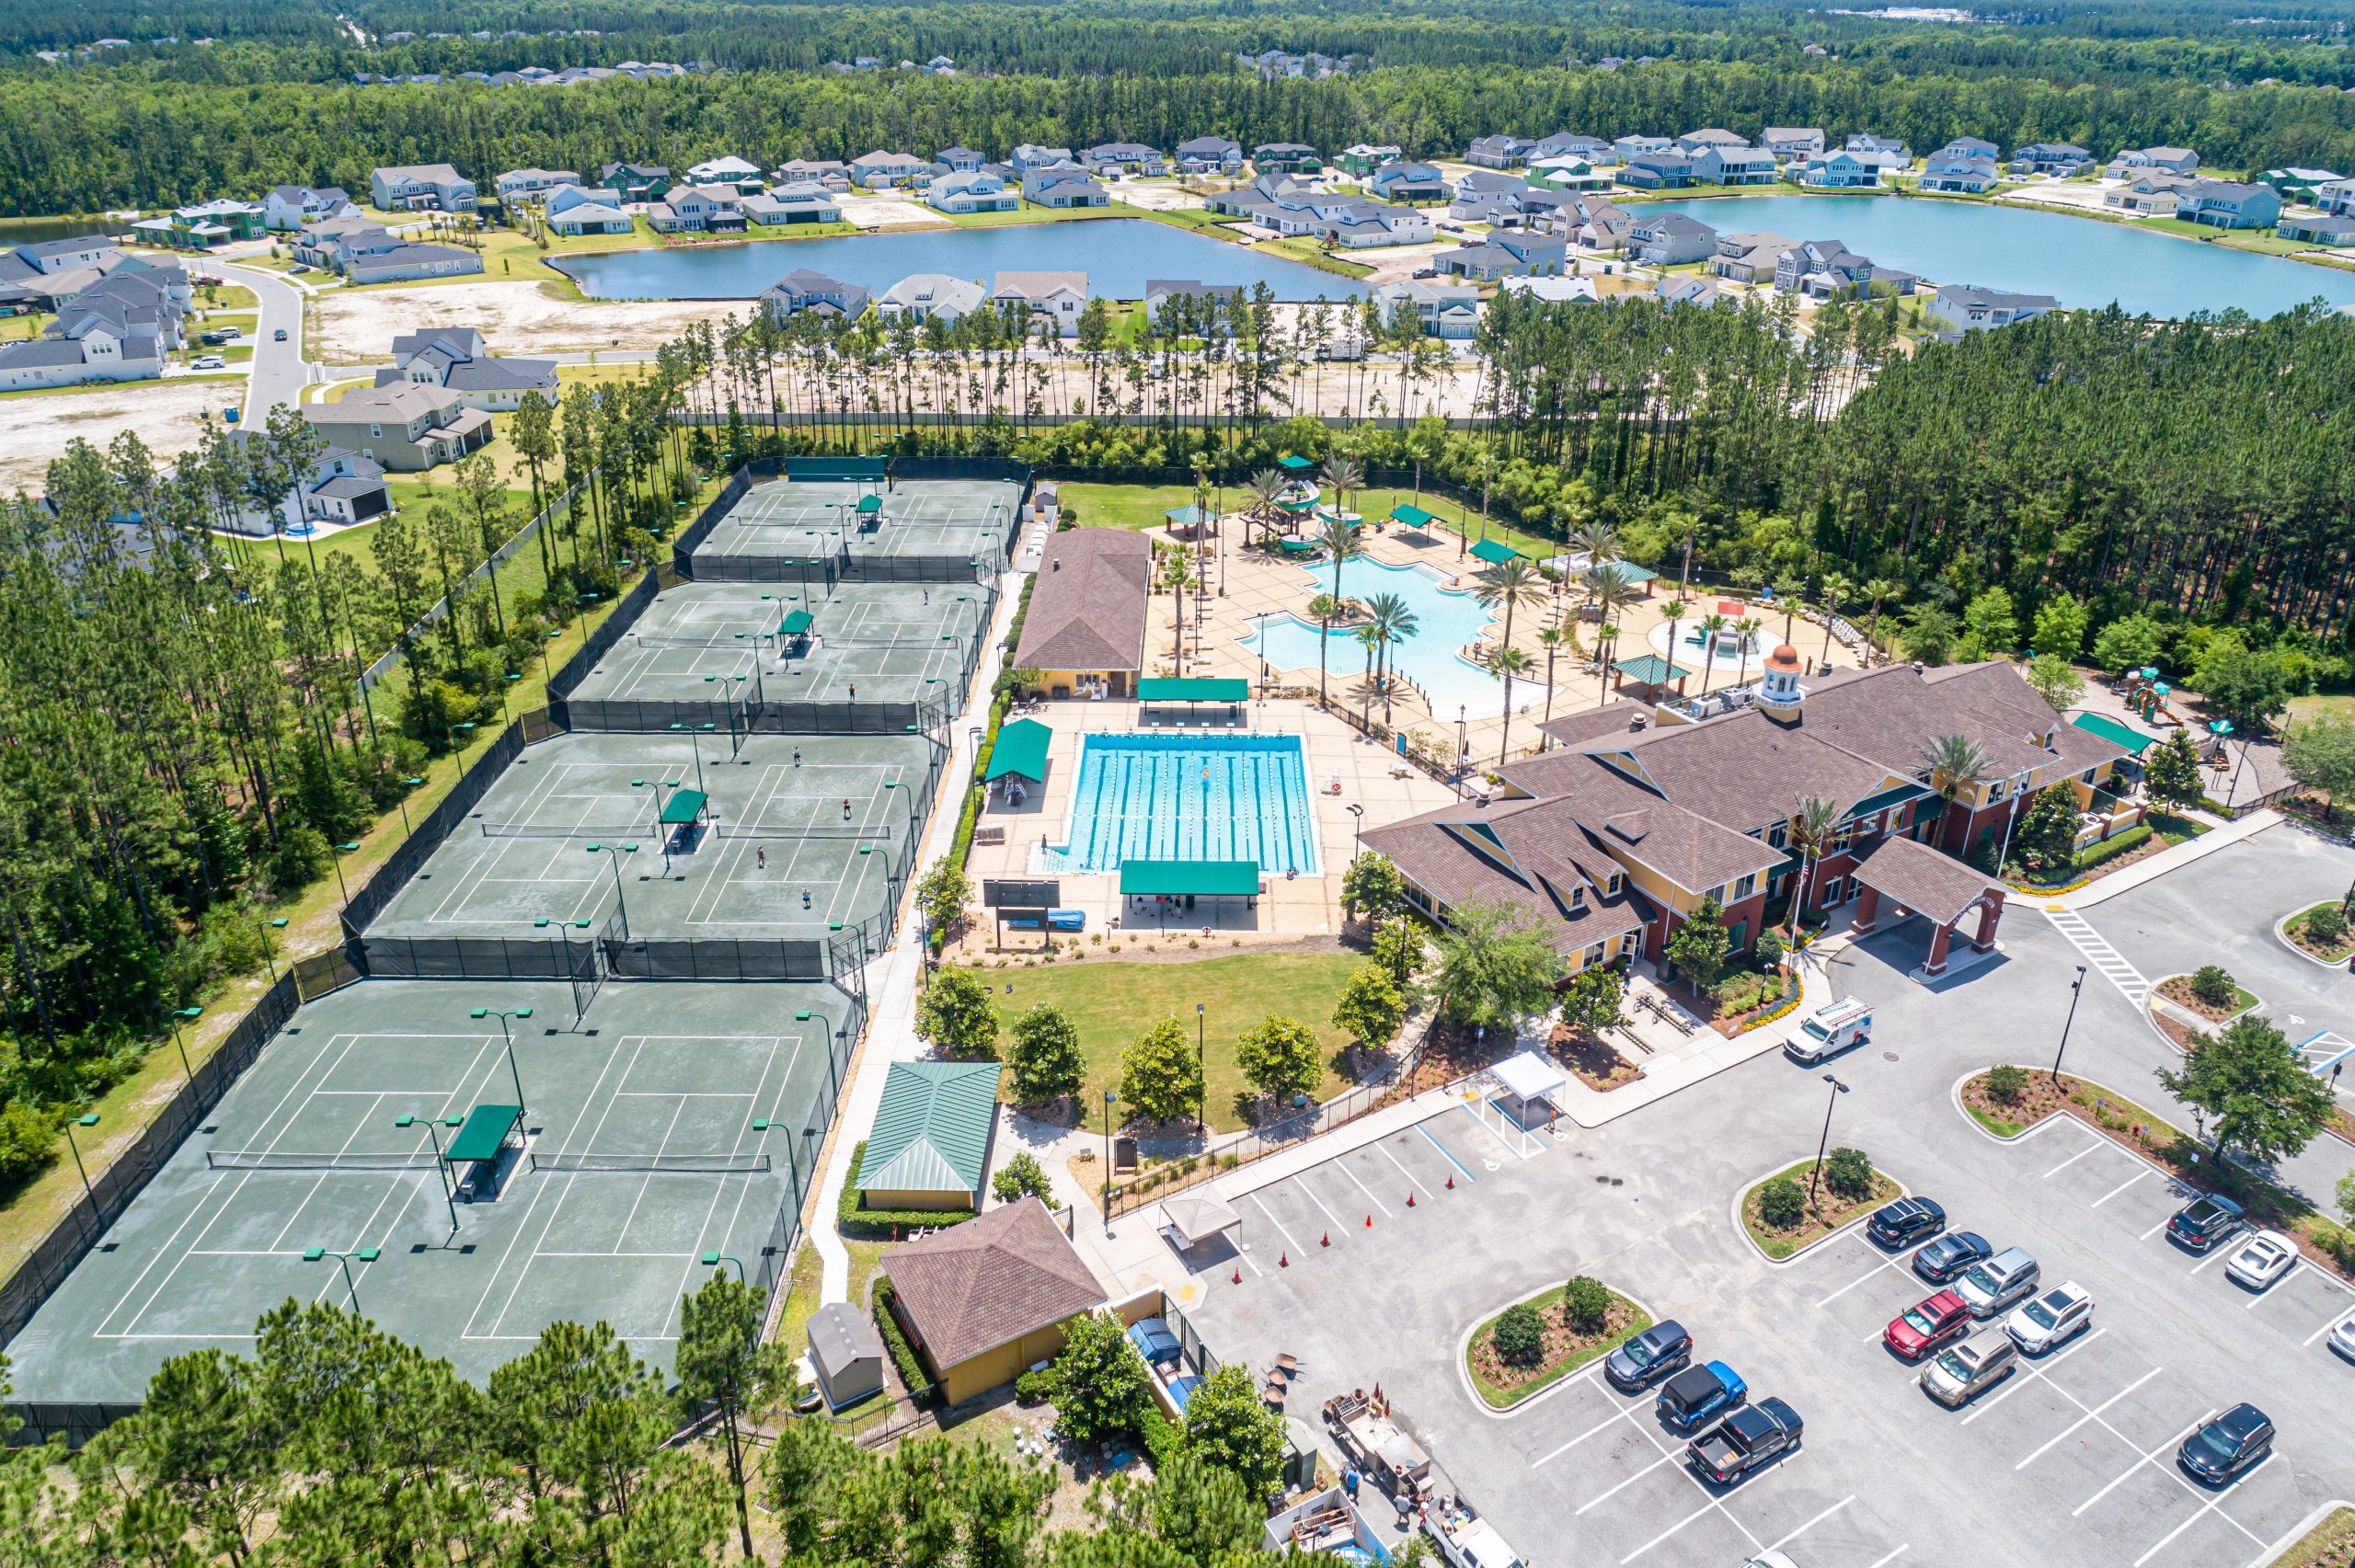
x=2147, y=696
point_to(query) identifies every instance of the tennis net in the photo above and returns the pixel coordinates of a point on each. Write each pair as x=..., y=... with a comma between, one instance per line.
x=299, y=1159
x=694, y=1165
x=847, y=835
x=709, y=640
x=558, y=830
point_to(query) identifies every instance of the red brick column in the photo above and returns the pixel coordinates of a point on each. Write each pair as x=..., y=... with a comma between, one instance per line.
x=1990, y=911
x=1867, y=910
x=1937, y=959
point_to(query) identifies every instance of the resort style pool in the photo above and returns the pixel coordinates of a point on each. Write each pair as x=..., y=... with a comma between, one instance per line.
x=1446, y=624
x=1118, y=255
x=2082, y=262
x=1189, y=797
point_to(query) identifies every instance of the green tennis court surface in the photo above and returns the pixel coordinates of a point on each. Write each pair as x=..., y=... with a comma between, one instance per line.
x=680, y=1073
x=961, y=518
x=802, y=835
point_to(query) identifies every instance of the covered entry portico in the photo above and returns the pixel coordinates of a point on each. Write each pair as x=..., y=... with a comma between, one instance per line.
x=1901, y=878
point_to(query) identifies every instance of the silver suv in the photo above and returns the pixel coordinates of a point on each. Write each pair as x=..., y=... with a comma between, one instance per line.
x=1990, y=1287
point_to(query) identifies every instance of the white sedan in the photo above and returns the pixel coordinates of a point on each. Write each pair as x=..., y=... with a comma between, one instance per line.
x=2265, y=1257
x=2342, y=1338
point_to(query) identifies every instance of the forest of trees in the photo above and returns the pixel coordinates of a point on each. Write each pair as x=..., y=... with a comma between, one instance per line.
x=272, y=100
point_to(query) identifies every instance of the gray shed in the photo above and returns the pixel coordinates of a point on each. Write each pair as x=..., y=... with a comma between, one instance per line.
x=846, y=1354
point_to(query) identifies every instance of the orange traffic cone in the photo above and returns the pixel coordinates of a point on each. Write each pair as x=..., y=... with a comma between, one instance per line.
x=1326, y=1240
x=1238, y=1276
x=1411, y=1200
x=1451, y=1184
x=1369, y=1221
x=1283, y=1260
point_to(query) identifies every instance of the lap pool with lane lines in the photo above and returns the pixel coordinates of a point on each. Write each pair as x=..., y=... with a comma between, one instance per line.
x=1192, y=797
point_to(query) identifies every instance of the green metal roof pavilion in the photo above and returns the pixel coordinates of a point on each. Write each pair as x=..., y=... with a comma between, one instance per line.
x=1192, y=689
x=2117, y=734
x=932, y=1130
x=1296, y=463
x=1188, y=516
x=1649, y=670
x=870, y=504
x=1021, y=748
x=485, y=1132
x=684, y=809
x=1412, y=516
x=1496, y=554
x=1201, y=878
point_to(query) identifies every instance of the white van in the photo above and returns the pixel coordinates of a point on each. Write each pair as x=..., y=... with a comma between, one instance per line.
x=1832, y=1029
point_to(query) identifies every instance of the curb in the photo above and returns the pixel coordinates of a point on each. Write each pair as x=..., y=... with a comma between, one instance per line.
x=1463, y=1363
x=1822, y=1240
x=2282, y=935
x=2300, y=1530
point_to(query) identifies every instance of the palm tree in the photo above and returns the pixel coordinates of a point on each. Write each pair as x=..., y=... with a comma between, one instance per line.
x=1835, y=589
x=1610, y=589
x=1341, y=476
x=1511, y=584
x=1812, y=827
x=1878, y=590
x=1747, y=628
x=1554, y=639
x=1713, y=626
x=1598, y=542
x=1341, y=542
x=1787, y=588
x=1507, y=661
x=1673, y=613
x=1954, y=764
x=1264, y=485
x=1390, y=614
x=1368, y=637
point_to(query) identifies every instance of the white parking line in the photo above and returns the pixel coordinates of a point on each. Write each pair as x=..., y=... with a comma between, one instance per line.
x=2038, y=1370
x=1880, y=1267
x=1363, y=1188
x=1668, y=1532
x=1892, y=1557
x=2211, y=1257
x=1302, y=1184
x=2089, y=1415
x=1817, y=1520
x=2088, y=1148
x=1402, y=1171
x=1702, y=1486
x=1664, y=1459
x=1273, y=1221
x=2212, y=1503
x=2329, y=1324
x=1599, y=1426
x=2120, y=1188
x=2139, y=1463
x=2153, y=1229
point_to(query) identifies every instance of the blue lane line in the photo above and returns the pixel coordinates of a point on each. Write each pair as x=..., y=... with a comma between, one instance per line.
x=1444, y=1154
x=1492, y=1132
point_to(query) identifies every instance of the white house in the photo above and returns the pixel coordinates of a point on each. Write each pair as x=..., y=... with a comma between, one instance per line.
x=923, y=295
x=522, y=184
x=975, y=192
x=730, y=170
x=410, y=263
x=456, y=358
x=289, y=206
x=1056, y=298
x=804, y=202
x=407, y=188
x=1966, y=307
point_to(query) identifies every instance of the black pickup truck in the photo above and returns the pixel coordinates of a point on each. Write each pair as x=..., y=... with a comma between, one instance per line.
x=1744, y=1440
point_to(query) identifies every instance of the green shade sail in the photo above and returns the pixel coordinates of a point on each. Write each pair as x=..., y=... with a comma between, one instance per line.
x=2117, y=734
x=1021, y=750
x=486, y=1129
x=684, y=809
x=1496, y=554
x=1203, y=878
x=1192, y=689
x=1294, y=461
x=1412, y=516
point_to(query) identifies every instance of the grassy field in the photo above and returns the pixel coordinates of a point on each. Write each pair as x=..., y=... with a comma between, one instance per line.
x=1111, y=1004
x=15, y=328
x=1308, y=253
x=1141, y=507
x=2339, y=705
x=2327, y=1545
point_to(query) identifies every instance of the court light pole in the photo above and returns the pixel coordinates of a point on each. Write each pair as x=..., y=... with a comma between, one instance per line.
x=1108, y=1097
x=365, y=1256
x=185, y=1015
x=402, y=801
x=713, y=1260
x=617, y=850
x=268, y=956
x=440, y=1161
x=2076, y=986
x=1838, y=1088
x=340, y=851
x=504, y=1017
x=84, y=1122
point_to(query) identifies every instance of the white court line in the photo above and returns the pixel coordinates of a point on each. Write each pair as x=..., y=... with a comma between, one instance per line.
x=1384, y=1147
x=1273, y=1221
x=2092, y=1414
x=2088, y=1148
x=1817, y=1520
x=1363, y=1188
x=2120, y=1188
x=1664, y=1459
x=2034, y=1372
x=2139, y=1463
x=2214, y=1504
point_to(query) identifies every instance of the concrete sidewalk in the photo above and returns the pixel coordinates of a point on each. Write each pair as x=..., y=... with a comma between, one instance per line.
x=2159, y=864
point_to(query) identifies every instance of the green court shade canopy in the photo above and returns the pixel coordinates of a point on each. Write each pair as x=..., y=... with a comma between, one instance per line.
x=1188, y=516
x=1203, y=878
x=869, y=505
x=1021, y=748
x=1192, y=689
x=1294, y=461
x=2117, y=734
x=1411, y=516
x=685, y=808
x=1650, y=669
x=1297, y=547
x=484, y=1131
x=1496, y=554
x=795, y=624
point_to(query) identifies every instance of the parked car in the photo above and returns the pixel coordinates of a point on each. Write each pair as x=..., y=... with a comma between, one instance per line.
x=1925, y=1325
x=2206, y=1220
x=209, y=363
x=1829, y=1030
x=212, y=339
x=1696, y=1394
x=1653, y=1355
x=2342, y=1338
x=1907, y=1220
x=2262, y=1259
x=2223, y=1447
x=229, y=334
x=1949, y=1254
x=1991, y=1286
x=279, y=336
x=2060, y=1315
x=1744, y=1440
x=300, y=267
x=1962, y=1373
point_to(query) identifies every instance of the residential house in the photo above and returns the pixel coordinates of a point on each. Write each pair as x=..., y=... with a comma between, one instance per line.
x=1291, y=157
x=289, y=206
x=1629, y=148
x=1275, y=65
x=1566, y=171
x=1842, y=170
x=1063, y=188
x=1406, y=182
x=1157, y=290
x=1865, y=142
x=1792, y=143
x=881, y=171
x=1125, y=158
x=1552, y=290
x=940, y=65
x=2154, y=194
x=1969, y=148
x=1030, y=155
x=971, y=193
x=803, y=201
x=1362, y=159
x=2229, y=204
x=1658, y=171
x=403, y=263
x=1498, y=152
x=827, y=174
x=575, y=210
x=1668, y=239
x=1696, y=142
x=2059, y=159
x=406, y=427
x=1734, y=165
x=980, y=1301
x=2324, y=230
x=1826, y=269
x=1055, y=298
x=116, y=327
x=409, y=188
x=1701, y=292
x=2132, y=161
x=517, y=185
x=1086, y=628
x=2336, y=197
x=923, y=295
x=1966, y=307
x=1447, y=310
x=2298, y=182
x=1750, y=257
x=342, y=487
x=697, y=209
x=803, y=290
x=205, y=224
x=1506, y=255
x=1972, y=177
x=960, y=160
x=1209, y=154
x=637, y=182
x=739, y=175
x=1568, y=144
x=456, y=358
x=1272, y=201
x=332, y=243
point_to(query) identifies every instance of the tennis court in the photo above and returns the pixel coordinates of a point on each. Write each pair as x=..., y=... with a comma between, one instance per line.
x=735, y=1082
x=781, y=837
x=873, y=523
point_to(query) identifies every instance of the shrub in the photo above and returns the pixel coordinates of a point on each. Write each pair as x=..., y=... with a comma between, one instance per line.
x=1021, y=1176
x=27, y=1143
x=2005, y=1083
x=2326, y=927
x=1849, y=1174
x=2212, y=985
x=1585, y=1303
x=1519, y=1336
x=1770, y=949
x=919, y=1382
x=1781, y=1203
x=2117, y=845
x=1033, y=1387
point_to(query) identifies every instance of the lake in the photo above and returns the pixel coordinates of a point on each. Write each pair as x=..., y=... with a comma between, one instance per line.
x=1118, y=255
x=2082, y=262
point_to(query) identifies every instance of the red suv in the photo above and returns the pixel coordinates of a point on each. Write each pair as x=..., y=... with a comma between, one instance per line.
x=1925, y=1326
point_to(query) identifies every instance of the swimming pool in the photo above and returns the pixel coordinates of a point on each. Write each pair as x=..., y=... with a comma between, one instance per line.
x=1189, y=797
x=1447, y=623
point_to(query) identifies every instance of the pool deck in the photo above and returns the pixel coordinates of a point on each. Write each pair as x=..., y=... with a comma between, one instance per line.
x=1301, y=907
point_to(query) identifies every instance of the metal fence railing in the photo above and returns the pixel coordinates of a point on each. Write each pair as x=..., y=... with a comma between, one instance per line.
x=409, y=857
x=1225, y=1154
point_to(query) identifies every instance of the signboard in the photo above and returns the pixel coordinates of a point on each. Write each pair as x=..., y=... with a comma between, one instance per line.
x=1006, y=893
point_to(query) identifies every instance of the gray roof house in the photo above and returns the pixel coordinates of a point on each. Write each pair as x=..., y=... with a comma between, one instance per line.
x=1790, y=141
x=1506, y=255
x=1030, y=155
x=2059, y=158
x=1952, y=172
x=1666, y=239
x=404, y=187
x=287, y=207
x=1750, y=257
x=1666, y=171
x=406, y=427
x=881, y=171
x=1450, y=311
x=804, y=289
x=456, y=358
x=410, y=263
x=923, y=295
x=2336, y=233
x=1204, y=153
x=2229, y=204
x=1735, y=165
x=1063, y=188
x=1056, y=298
x=1498, y=152
x=1966, y=307
x=960, y=160
x=1698, y=142
x=2131, y=161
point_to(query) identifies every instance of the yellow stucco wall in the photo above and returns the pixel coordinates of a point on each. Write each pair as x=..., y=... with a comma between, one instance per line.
x=981, y=1373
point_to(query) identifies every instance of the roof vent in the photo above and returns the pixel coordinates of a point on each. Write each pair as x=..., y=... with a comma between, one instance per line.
x=1637, y=721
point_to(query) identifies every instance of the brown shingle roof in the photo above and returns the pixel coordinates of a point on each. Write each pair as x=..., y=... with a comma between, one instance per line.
x=994, y=1278
x=1682, y=845
x=1612, y=719
x=1744, y=771
x=1087, y=604
x=1920, y=878
x=1534, y=861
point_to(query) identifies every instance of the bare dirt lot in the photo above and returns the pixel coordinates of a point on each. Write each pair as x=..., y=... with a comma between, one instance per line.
x=34, y=431
x=518, y=318
x=878, y=212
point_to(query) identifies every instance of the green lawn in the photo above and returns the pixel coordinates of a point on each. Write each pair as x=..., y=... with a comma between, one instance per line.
x=1140, y=506
x=1111, y=1004
x=14, y=328
x=1308, y=253
x=2339, y=705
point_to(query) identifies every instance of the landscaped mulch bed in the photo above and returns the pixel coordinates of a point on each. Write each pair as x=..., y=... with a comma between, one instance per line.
x=1828, y=1213
x=2178, y=990
x=2327, y=1545
x=2173, y=1028
x=2295, y=930
x=1503, y=1384
x=1598, y=1066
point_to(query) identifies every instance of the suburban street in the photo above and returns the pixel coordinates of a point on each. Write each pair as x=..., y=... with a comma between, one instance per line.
x=279, y=369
